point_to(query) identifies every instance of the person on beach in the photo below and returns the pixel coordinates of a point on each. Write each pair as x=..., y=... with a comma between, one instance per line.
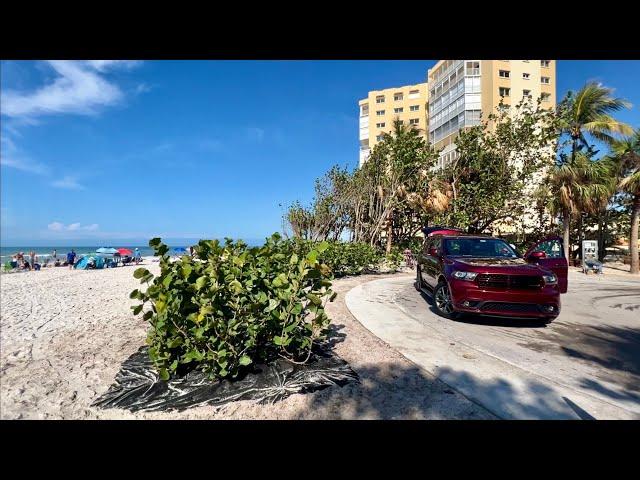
x=136, y=256
x=33, y=258
x=71, y=258
x=54, y=255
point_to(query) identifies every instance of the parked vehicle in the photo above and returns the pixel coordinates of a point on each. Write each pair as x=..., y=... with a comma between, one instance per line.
x=484, y=275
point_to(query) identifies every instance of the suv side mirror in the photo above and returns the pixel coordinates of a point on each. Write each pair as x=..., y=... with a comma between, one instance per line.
x=537, y=255
x=433, y=251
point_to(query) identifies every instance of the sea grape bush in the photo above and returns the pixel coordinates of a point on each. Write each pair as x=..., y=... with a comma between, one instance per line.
x=230, y=305
x=350, y=258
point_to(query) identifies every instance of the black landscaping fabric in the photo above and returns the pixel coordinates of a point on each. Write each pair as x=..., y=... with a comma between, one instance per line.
x=138, y=387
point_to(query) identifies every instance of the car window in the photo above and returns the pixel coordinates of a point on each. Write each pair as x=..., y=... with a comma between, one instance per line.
x=552, y=248
x=478, y=247
x=427, y=244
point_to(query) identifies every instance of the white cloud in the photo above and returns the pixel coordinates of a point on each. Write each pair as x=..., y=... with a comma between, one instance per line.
x=68, y=182
x=72, y=227
x=10, y=156
x=79, y=88
x=104, y=65
x=55, y=226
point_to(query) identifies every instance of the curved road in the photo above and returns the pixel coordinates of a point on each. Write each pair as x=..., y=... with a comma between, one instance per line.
x=585, y=365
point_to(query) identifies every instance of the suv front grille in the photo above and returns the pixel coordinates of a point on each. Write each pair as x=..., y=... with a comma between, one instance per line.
x=497, y=280
x=510, y=307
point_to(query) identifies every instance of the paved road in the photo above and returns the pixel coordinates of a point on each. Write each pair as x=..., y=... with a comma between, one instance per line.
x=585, y=365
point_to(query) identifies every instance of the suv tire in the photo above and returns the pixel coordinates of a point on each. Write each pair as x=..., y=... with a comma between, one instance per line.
x=442, y=301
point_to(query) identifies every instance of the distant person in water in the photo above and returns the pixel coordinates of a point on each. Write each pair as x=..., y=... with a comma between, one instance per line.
x=136, y=256
x=71, y=258
x=54, y=255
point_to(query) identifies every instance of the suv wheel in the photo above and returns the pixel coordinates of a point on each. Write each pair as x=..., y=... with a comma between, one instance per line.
x=442, y=301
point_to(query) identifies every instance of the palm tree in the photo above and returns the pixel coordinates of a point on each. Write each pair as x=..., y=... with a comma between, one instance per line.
x=626, y=155
x=589, y=110
x=579, y=182
x=581, y=185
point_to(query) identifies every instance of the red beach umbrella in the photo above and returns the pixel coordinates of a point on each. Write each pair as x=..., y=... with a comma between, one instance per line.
x=124, y=251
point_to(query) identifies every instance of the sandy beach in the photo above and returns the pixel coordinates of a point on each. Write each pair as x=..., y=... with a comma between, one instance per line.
x=65, y=333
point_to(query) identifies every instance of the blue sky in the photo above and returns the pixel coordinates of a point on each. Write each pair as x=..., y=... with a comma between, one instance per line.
x=99, y=152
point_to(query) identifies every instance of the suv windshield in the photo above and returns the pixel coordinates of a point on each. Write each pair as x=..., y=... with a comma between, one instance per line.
x=478, y=247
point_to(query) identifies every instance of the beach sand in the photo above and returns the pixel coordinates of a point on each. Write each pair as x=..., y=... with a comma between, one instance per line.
x=65, y=333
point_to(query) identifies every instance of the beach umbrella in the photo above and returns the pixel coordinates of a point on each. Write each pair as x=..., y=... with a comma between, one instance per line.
x=124, y=251
x=180, y=249
x=107, y=250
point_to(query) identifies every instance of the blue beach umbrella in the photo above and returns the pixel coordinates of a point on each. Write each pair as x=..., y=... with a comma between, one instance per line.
x=107, y=250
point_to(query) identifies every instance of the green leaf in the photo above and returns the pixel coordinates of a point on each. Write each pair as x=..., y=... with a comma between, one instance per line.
x=245, y=360
x=164, y=375
x=137, y=309
x=312, y=256
x=200, y=282
x=134, y=294
x=278, y=340
x=140, y=272
x=322, y=246
x=314, y=299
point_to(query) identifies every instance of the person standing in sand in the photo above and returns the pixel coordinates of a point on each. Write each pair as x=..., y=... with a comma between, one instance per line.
x=136, y=256
x=71, y=258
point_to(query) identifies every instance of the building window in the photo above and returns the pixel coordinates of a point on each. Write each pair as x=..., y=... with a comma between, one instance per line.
x=379, y=138
x=546, y=97
x=398, y=110
x=401, y=122
x=545, y=63
x=526, y=76
x=473, y=68
x=380, y=125
x=504, y=92
x=414, y=93
x=364, y=110
x=414, y=108
x=379, y=112
x=504, y=73
x=545, y=80
x=504, y=107
x=414, y=121
x=526, y=93
x=380, y=99
x=397, y=97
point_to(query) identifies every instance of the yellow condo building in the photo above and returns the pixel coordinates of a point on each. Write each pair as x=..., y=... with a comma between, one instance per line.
x=382, y=107
x=457, y=94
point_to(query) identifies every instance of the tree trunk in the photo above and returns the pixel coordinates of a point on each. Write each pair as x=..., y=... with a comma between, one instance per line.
x=566, y=228
x=580, y=236
x=390, y=233
x=633, y=237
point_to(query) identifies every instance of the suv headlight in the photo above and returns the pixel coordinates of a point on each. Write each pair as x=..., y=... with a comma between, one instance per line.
x=550, y=279
x=469, y=276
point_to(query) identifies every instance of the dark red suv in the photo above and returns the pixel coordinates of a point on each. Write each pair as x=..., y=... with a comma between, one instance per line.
x=486, y=276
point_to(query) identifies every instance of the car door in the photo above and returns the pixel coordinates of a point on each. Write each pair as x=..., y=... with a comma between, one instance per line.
x=554, y=259
x=432, y=261
x=422, y=259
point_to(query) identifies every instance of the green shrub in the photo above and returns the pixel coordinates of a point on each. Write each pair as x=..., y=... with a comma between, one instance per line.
x=231, y=305
x=345, y=258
